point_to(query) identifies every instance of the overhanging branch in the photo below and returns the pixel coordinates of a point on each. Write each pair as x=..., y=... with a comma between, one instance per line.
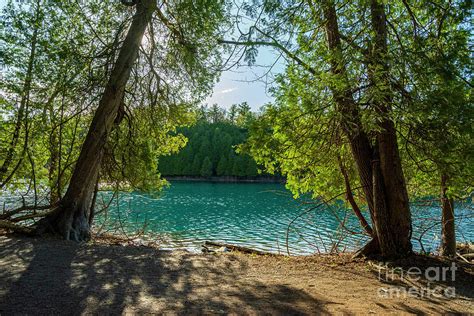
x=129, y=3
x=276, y=45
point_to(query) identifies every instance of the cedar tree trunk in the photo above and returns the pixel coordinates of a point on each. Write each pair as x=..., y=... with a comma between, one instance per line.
x=378, y=164
x=448, y=233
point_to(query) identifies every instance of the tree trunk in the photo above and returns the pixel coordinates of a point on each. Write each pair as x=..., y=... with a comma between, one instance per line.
x=448, y=233
x=93, y=203
x=55, y=139
x=53, y=163
x=71, y=218
x=395, y=239
x=379, y=165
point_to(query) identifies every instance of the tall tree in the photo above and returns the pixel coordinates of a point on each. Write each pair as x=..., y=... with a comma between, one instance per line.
x=378, y=164
x=22, y=114
x=448, y=231
x=216, y=114
x=206, y=168
x=374, y=148
x=71, y=218
x=437, y=116
x=367, y=87
x=193, y=44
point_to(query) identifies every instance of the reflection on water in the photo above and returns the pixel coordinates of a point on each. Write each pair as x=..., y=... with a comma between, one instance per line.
x=254, y=215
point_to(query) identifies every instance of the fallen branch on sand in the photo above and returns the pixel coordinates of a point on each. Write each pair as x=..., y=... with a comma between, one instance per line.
x=239, y=248
x=16, y=228
x=466, y=257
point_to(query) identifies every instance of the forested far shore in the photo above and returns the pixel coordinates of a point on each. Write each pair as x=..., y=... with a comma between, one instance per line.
x=212, y=144
x=228, y=179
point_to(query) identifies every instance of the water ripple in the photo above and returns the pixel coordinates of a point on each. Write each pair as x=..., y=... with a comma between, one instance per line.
x=248, y=214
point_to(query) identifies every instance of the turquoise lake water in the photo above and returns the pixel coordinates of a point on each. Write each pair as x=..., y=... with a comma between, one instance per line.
x=257, y=216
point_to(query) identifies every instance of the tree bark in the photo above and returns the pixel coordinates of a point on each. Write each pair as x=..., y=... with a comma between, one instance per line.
x=395, y=239
x=93, y=203
x=53, y=163
x=55, y=138
x=448, y=231
x=71, y=218
x=378, y=164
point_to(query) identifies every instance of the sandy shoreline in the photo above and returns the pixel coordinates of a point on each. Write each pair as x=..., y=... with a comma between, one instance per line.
x=48, y=276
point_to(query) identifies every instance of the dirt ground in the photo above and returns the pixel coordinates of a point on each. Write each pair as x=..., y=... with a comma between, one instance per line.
x=48, y=276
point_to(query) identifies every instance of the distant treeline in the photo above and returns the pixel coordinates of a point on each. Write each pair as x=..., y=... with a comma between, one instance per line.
x=210, y=150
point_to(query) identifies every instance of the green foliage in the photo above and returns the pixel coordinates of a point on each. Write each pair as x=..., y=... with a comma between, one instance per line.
x=223, y=167
x=210, y=151
x=206, y=169
x=57, y=56
x=427, y=82
x=49, y=80
x=435, y=114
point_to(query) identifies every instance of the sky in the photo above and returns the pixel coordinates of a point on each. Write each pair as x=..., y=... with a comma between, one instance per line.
x=242, y=84
x=249, y=84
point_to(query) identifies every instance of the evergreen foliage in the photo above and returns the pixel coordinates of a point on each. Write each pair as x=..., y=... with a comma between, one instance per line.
x=210, y=150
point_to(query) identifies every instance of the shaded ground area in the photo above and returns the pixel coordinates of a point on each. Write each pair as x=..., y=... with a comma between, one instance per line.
x=47, y=276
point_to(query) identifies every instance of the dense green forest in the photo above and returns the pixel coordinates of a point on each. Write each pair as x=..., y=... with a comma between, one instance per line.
x=210, y=152
x=211, y=145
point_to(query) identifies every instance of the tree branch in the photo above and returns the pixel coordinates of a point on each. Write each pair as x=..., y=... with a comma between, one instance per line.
x=275, y=45
x=129, y=3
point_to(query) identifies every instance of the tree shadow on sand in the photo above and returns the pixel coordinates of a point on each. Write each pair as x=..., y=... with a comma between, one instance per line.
x=50, y=277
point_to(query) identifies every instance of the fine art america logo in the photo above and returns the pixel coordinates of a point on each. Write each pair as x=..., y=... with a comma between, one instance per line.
x=432, y=287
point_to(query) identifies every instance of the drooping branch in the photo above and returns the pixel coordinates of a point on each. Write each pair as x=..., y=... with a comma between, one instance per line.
x=31, y=216
x=18, y=210
x=276, y=45
x=169, y=25
x=352, y=202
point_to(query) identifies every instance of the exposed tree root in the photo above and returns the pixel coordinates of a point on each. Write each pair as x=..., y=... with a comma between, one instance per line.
x=8, y=214
x=11, y=220
x=371, y=249
x=17, y=228
x=67, y=222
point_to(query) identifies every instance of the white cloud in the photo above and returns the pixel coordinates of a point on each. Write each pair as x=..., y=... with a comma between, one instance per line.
x=227, y=90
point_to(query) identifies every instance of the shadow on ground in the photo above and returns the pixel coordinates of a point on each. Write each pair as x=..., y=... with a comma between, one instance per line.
x=50, y=277
x=434, y=280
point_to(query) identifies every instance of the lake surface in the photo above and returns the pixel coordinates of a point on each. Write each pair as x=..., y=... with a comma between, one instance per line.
x=254, y=215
